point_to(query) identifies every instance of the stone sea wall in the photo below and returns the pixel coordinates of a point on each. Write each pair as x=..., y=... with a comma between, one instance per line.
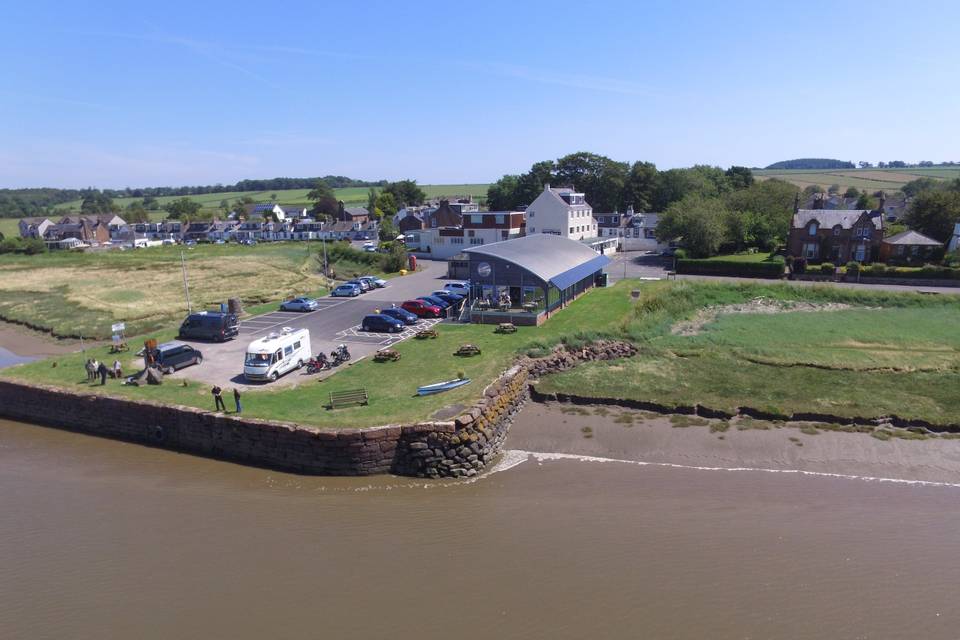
x=457, y=448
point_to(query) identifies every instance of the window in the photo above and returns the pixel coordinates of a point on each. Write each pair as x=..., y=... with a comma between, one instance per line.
x=810, y=250
x=287, y=350
x=571, y=229
x=836, y=230
x=863, y=232
x=456, y=240
x=530, y=214
x=471, y=233
x=533, y=229
x=812, y=228
x=478, y=219
x=499, y=218
x=296, y=345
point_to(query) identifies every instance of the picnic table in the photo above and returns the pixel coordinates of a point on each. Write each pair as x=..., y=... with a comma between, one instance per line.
x=506, y=327
x=467, y=350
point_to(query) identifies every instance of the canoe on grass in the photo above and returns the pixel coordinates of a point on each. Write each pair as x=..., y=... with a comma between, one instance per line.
x=441, y=386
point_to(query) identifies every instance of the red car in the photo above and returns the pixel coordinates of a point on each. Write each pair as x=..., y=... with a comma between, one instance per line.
x=422, y=309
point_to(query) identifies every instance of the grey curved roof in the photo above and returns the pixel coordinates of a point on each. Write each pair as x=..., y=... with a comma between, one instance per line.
x=911, y=237
x=545, y=255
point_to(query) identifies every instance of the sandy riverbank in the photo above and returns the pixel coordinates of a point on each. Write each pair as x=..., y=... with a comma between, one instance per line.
x=621, y=434
x=28, y=343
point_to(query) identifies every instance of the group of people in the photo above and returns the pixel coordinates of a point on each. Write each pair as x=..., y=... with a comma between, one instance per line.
x=218, y=399
x=100, y=370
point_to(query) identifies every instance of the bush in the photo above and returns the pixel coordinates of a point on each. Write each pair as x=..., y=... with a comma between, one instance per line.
x=772, y=269
x=828, y=268
x=680, y=254
x=853, y=268
x=877, y=269
x=28, y=246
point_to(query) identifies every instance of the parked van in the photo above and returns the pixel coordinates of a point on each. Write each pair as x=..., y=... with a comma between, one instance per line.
x=276, y=354
x=210, y=325
x=171, y=356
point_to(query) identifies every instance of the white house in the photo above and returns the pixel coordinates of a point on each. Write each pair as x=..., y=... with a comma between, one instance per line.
x=561, y=212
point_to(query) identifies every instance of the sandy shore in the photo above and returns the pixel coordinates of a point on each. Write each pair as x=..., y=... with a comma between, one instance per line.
x=27, y=343
x=621, y=434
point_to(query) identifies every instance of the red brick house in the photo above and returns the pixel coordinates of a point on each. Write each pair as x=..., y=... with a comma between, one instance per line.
x=838, y=235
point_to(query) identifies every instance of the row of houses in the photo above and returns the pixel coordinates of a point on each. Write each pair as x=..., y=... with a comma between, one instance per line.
x=264, y=223
x=447, y=230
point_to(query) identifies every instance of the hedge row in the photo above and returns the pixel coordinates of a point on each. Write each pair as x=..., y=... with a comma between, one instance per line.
x=733, y=268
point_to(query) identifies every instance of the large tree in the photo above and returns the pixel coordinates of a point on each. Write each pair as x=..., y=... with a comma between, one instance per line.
x=640, y=189
x=698, y=221
x=760, y=214
x=324, y=201
x=96, y=202
x=406, y=193
x=934, y=213
x=601, y=179
x=136, y=212
x=386, y=204
x=739, y=177
x=182, y=208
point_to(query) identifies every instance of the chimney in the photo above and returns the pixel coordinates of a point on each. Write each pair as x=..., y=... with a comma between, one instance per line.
x=340, y=213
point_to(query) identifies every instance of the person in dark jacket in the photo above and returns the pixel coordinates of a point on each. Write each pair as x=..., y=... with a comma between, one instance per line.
x=236, y=399
x=218, y=398
x=102, y=371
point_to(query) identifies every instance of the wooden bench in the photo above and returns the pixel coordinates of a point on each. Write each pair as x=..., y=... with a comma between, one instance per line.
x=671, y=275
x=348, y=397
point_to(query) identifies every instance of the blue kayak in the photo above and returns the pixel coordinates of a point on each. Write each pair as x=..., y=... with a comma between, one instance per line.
x=437, y=387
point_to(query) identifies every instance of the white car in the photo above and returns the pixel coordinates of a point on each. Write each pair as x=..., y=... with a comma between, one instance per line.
x=379, y=283
x=461, y=288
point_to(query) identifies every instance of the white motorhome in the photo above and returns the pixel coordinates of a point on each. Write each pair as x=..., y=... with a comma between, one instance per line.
x=277, y=353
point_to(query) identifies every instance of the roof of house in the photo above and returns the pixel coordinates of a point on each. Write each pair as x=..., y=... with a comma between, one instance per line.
x=342, y=226
x=846, y=218
x=354, y=212
x=554, y=259
x=35, y=220
x=911, y=237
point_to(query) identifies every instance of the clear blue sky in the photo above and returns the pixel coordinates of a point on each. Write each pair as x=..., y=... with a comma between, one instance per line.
x=115, y=94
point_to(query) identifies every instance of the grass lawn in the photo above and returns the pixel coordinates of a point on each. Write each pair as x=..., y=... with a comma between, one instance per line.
x=72, y=294
x=758, y=256
x=391, y=385
x=9, y=227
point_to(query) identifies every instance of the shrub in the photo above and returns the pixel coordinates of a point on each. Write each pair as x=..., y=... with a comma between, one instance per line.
x=772, y=269
x=877, y=269
x=828, y=268
x=680, y=254
x=853, y=268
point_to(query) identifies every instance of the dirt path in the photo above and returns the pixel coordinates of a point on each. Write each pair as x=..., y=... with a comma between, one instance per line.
x=27, y=343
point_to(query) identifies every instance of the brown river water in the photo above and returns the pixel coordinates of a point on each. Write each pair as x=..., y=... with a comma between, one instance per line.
x=102, y=539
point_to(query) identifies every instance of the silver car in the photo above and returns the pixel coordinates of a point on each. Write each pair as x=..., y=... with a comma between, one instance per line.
x=299, y=304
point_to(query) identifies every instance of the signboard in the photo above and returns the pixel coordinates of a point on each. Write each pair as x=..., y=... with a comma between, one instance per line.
x=484, y=270
x=116, y=339
x=118, y=327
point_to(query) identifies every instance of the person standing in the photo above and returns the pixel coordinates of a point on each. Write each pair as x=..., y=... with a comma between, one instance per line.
x=91, y=372
x=236, y=399
x=102, y=370
x=218, y=398
x=117, y=369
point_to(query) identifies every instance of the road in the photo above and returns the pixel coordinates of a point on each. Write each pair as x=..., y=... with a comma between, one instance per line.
x=335, y=322
x=640, y=264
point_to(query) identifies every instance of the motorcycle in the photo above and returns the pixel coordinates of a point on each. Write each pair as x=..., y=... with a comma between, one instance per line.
x=318, y=363
x=339, y=356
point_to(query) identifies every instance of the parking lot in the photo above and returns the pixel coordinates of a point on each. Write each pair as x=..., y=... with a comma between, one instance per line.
x=336, y=321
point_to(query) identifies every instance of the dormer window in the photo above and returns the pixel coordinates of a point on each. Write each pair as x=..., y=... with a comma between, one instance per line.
x=812, y=228
x=836, y=230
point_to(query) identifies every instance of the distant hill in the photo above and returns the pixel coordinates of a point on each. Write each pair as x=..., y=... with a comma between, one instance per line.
x=812, y=163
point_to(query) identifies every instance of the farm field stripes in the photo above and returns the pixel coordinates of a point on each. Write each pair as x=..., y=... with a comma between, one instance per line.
x=870, y=179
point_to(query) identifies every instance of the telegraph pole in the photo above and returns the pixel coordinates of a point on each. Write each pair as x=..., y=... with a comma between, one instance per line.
x=186, y=288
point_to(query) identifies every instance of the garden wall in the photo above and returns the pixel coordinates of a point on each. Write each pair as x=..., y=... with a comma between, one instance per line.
x=456, y=448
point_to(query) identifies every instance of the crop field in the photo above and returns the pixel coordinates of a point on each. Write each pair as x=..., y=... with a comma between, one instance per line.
x=351, y=196
x=869, y=180
x=73, y=294
x=9, y=228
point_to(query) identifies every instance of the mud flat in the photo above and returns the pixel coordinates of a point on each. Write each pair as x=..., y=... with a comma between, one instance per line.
x=602, y=432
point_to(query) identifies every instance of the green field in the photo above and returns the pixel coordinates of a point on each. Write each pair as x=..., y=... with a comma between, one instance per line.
x=351, y=196
x=83, y=293
x=891, y=353
x=9, y=228
x=901, y=356
x=869, y=180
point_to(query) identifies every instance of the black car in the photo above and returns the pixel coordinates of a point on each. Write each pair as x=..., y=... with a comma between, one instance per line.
x=450, y=298
x=402, y=315
x=381, y=323
x=171, y=356
x=434, y=300
x=205, y=325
